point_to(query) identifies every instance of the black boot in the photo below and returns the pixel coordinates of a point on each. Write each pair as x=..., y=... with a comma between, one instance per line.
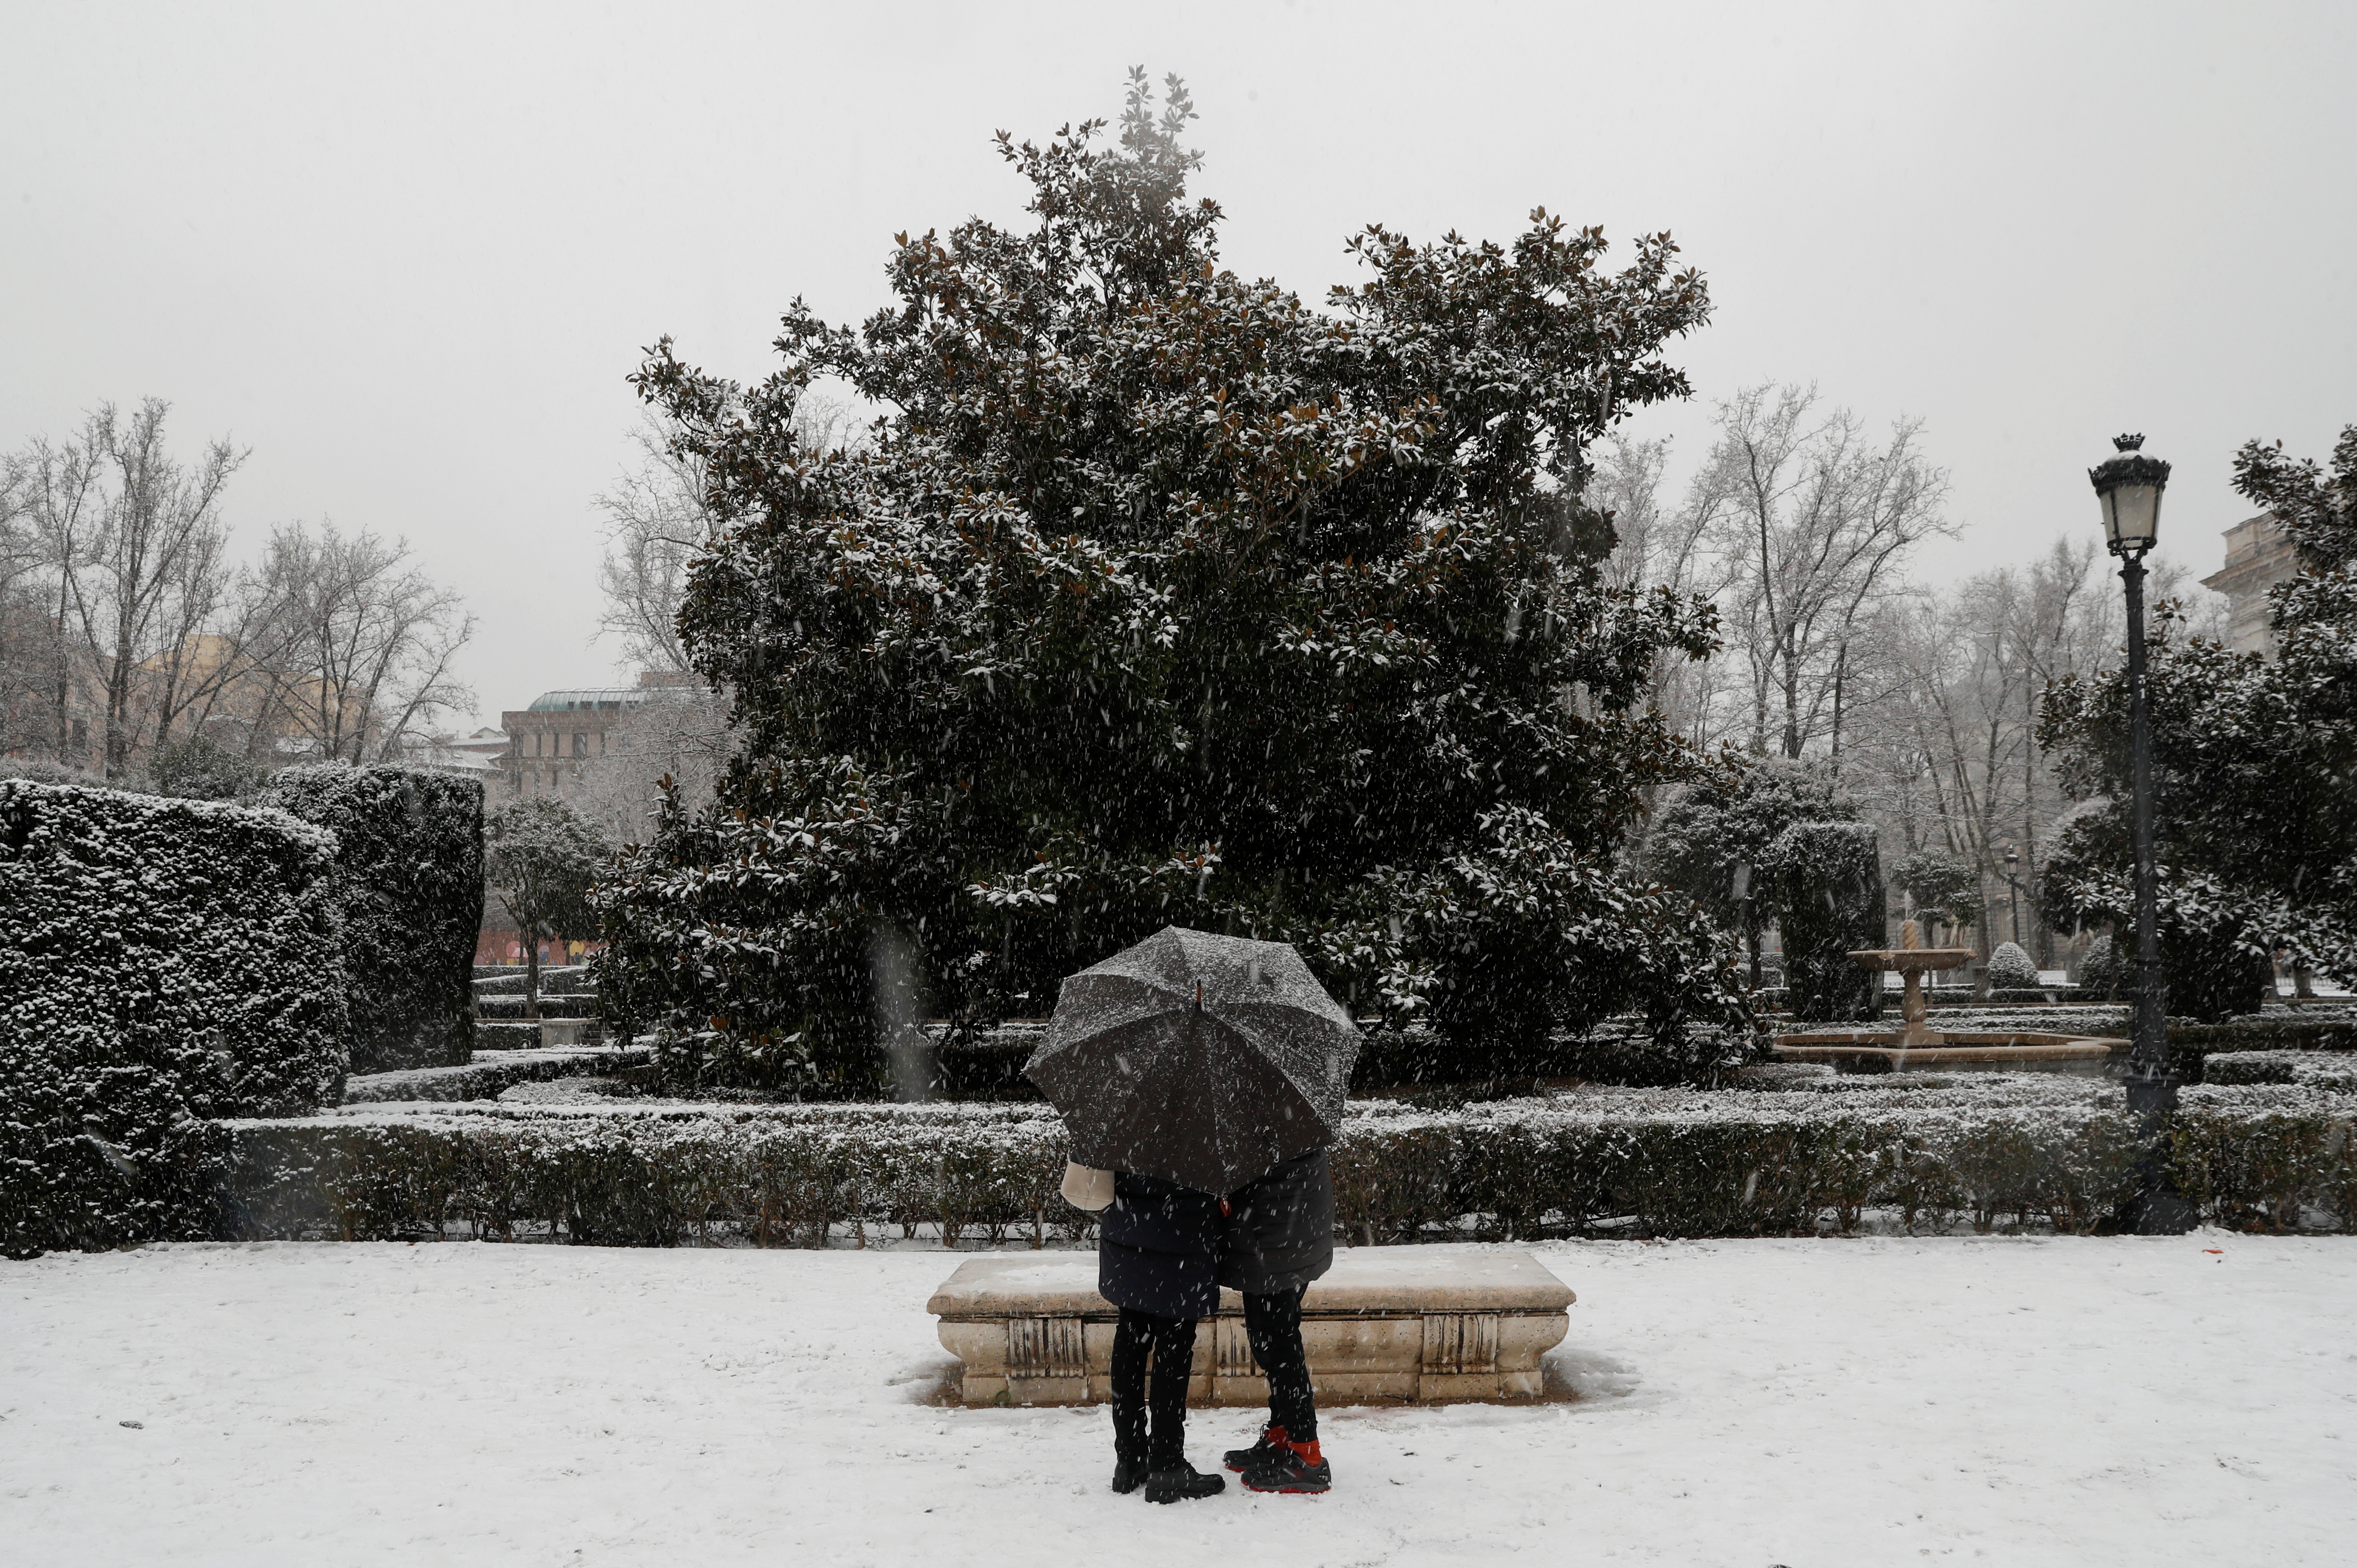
x=1181, y=1484
x=1290, y=1469
x=1128, y=1473
x=1242, y=1459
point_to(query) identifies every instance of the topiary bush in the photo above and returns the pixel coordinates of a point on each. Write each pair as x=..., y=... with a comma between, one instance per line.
x=409, y=876
x=2102, y=974
x=162, y=961
x=2010, y=968
x=1831, y=902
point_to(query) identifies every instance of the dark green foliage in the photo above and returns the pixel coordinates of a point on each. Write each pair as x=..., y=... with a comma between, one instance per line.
x=1162, y=595
x=1830, y=893
x=409, y=868
x=1942, y=889
x=201, y=768
x=2254, y=765
x=1765, y=1164
x=543, y=857
x=1708, y=832
x=2215, y=935
x=161, y=962
x=2102, y=975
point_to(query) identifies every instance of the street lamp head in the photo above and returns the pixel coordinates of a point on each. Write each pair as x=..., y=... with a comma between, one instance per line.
x=2128, y=487
x=2012, y=858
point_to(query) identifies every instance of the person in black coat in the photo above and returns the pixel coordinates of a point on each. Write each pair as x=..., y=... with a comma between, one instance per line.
x=1278, y=1236
x=1157, y=1260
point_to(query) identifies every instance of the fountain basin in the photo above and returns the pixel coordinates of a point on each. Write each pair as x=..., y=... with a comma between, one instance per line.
x=1965, y=1050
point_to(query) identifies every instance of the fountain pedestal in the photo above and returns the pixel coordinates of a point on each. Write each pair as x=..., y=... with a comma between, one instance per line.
x=1917, y=1044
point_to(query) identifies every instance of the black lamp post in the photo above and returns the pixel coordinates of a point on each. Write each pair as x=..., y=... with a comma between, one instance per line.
x=2013, y=894
x=2128, y=486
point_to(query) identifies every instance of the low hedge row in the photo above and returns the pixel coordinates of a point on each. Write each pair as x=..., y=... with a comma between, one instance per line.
x=2332, y=1070
x=508, y=1009
x=508, y=980
x=1728, y=1164
x=490, y=1072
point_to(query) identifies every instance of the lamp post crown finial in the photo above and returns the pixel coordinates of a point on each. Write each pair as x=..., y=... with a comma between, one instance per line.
x=2127, y=443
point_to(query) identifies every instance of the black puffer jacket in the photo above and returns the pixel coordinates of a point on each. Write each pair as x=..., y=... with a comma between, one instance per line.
x=1280, y=1229
x=1158, y=1248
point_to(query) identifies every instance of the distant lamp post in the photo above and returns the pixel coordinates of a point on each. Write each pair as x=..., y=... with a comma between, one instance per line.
x=2013, y=893
x=2128, y=487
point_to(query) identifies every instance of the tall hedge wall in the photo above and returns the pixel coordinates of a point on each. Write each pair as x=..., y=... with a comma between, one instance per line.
x=161, y=961
x=411, y=878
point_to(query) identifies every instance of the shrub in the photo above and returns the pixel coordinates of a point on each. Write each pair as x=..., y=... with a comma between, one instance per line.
x=2060, y=1155
x=2010, y=968
x=1833, y=904
x=2102, y=974
x=161, y=961
x=201, y=768
x=484, y=1079
x=410, y=879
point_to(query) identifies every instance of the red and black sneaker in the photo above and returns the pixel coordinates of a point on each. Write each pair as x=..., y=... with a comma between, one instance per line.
x=1294, y=1468
x=1271, y=1438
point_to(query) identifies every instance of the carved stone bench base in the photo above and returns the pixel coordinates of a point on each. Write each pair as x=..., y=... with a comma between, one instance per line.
x=1388, y=1325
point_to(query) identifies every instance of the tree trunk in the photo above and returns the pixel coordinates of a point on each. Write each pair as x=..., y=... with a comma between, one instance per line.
x=1841, y=672
x=530, y=972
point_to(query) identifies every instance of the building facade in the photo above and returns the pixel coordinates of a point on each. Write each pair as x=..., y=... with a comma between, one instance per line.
x=555, y=746
x=2258, y=557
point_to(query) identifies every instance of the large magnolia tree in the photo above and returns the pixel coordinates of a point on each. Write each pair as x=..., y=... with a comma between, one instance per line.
x=1160, y=596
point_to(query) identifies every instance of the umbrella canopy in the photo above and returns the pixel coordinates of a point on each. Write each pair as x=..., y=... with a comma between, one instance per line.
x=1209, y=1060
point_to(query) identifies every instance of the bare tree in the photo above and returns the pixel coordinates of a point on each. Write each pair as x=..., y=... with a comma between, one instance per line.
x=1656, y=546
x=1814, y=523
x=656, y=522
x=361, y=661
x=680, y=732
x=135, y=552
x=23, y=639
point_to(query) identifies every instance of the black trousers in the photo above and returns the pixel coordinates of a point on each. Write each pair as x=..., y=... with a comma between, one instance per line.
x=1169, y=1344
x=1273, y=1325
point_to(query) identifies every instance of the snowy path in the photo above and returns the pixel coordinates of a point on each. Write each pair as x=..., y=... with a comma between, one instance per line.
x=1809, y=1404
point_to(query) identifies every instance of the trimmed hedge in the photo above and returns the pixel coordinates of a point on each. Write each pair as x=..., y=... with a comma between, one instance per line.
x=1651, y=1163
x=509, y=1009
x=488, y=1075
x=411, y=877
x=162, y=961
x=2333, y=1070
x=508, y=980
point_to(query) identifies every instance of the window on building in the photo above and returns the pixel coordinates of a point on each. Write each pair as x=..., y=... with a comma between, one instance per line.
x=580, y=743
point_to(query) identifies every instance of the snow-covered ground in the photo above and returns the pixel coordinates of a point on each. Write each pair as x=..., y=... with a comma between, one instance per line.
x=1810, y=1403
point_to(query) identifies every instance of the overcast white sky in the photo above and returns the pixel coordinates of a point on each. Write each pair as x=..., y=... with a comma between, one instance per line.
x=408, y=253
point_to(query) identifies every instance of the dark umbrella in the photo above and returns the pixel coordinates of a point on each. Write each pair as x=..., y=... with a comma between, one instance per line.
x=1209, y=1060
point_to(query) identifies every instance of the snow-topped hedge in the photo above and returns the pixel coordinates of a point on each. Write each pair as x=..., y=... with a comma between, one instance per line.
x=411, y=878
x=489, y=1075
x=162, y=961
x=2059, y=1154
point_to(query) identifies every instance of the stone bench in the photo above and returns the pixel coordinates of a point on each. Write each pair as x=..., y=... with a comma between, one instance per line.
x=1386, y=1324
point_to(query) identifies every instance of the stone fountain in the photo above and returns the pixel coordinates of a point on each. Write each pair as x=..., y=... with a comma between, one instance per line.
x=1916, y=1046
